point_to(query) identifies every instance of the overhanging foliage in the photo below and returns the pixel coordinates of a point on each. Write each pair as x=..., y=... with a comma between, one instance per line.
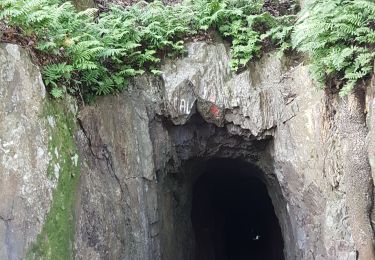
x=95, y=53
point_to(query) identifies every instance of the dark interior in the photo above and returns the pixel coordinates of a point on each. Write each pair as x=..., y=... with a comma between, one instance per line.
x=233, y=216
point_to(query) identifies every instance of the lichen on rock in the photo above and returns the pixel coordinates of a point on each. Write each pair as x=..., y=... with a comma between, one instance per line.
x=25, y=190
x=38, y=164
x=56, y=239
x=120, y=185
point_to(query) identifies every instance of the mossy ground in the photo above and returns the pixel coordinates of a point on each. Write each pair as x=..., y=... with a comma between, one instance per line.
x=56, y=239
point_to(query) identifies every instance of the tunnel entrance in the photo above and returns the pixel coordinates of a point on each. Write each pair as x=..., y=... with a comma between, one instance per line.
x=232, y=215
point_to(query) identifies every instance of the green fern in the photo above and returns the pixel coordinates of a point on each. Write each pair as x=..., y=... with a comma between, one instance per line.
x=96, y=54
x=57, y=92
x=246, y=25
x=339, y=37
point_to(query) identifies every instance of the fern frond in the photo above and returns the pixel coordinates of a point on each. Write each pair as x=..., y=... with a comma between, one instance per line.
x=338, y=37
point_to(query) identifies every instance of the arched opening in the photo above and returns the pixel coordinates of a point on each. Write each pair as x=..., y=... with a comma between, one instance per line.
x=232, y=214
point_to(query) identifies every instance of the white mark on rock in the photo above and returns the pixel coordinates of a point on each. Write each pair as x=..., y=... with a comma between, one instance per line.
x=204, y=93
x=56, y=152
x=14, y=51
x=75, y=160
x=182, y=105
x=40, y=152
x=51, y=121
x=56, y=170
x=5, y=145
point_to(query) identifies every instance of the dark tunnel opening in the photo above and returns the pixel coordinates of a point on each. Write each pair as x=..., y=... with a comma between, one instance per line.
x=232, y=215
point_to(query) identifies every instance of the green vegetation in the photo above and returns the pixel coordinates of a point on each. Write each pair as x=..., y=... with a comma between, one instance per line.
x=92, y=53
x=56, y=239
x=246, y=24
x=339, y=37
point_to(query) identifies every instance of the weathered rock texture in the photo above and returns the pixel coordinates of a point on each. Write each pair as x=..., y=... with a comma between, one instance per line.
x=25, y=189
x=270, y=115
x=38, y=164
x=117, y=207
x=357, y=179
x=141, y=152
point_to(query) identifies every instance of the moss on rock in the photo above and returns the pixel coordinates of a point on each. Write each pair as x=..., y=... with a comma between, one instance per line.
x=56, y=239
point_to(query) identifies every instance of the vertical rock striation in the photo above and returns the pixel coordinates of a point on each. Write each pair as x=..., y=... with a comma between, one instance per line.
x=38, y=164
x=141, y=151
x=358, y=182
x=25, y=189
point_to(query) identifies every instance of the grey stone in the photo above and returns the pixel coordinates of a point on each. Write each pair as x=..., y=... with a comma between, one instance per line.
x=25, y=189
x=142, y=150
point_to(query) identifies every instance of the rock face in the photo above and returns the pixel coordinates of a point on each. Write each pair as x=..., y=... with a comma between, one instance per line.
x=37, y=164
x=117, y=196
x=270, y=115
x=142, y=152
x=25, y=189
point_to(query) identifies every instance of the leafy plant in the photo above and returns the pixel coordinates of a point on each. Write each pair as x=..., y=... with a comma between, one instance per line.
x=339, y=37
x=57, y=92
x=95, y=54
x=246, y=24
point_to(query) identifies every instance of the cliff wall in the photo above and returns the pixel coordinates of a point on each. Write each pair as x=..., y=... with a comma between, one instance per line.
x=115, y=179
